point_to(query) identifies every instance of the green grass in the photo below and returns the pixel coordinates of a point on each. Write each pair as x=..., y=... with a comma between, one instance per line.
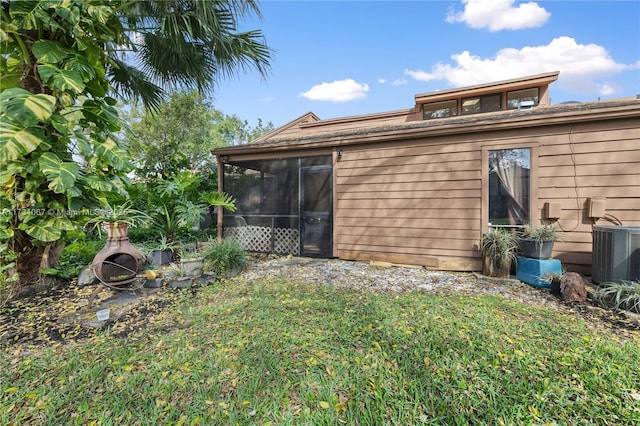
x=285, y=353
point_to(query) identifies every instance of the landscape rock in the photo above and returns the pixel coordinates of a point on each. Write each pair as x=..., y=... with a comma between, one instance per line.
x=87, y=277
x=572, y=288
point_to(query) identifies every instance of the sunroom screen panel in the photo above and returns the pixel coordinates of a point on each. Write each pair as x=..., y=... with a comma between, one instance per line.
x=267, y=201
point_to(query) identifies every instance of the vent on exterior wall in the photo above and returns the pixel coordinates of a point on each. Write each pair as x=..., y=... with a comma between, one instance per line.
x=525, y=105
x=616, y=253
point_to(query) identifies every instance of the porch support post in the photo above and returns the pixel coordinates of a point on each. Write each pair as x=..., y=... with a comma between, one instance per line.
x=334, y=197
x=220, y=190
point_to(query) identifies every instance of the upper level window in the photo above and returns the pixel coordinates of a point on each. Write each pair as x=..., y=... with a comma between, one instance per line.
x=516, y=97
x=440, y=109
x=478, y=104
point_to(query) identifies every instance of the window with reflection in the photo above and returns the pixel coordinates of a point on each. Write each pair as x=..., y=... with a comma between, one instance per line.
x=440, y=109
x=509, y=186
x=516, y=97
x=480, y=104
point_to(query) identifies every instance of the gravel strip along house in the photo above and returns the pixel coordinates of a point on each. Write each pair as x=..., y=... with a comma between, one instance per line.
x=420, y=186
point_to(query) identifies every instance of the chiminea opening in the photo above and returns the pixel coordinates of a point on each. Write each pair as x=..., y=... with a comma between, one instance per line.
x=118, y=267
x=118, y=262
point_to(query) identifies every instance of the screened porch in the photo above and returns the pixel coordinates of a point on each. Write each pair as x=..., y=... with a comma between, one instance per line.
x=284, y=206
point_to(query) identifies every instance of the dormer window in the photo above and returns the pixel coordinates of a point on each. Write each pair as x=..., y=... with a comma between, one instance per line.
x=516, y=98
x=440, y=109
x=522, y=93
x=480, y=104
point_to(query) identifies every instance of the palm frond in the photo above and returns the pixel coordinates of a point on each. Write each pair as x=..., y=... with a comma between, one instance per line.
x=241, y=51
x=132, y=83
x=187, y=44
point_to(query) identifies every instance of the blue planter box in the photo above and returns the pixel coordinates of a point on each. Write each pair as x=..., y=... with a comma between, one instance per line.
x=532, y=271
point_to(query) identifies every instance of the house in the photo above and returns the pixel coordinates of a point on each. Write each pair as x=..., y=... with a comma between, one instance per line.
x=421, y=185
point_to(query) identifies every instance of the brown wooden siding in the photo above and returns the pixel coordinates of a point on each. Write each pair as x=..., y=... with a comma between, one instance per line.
x=421, y=201
x=599, y=159
x=410, y=204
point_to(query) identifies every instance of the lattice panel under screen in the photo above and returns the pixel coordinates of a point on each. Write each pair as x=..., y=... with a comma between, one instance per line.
x=287, y=241
x=254, y=238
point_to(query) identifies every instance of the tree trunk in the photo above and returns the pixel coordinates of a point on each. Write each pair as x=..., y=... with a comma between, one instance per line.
x=32, y=259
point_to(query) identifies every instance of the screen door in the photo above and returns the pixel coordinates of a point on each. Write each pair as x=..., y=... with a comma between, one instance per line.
x=316, y=218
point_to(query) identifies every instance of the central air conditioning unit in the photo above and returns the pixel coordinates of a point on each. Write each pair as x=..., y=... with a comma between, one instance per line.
x=616, y=253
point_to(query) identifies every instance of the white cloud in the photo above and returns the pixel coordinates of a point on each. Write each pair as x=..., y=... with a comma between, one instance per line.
x=497, y=15
x=580, y=66
x=382, y=80
x=400, y=82
x=608, y=89
x=338, y=91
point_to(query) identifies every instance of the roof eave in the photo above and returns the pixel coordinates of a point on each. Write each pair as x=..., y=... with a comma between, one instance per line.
x=415, y=130
x=516, y=83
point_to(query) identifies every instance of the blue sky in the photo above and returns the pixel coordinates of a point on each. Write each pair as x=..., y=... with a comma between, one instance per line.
x=343, y=58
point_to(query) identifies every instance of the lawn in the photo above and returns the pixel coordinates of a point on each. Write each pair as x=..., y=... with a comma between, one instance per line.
x=287, y=353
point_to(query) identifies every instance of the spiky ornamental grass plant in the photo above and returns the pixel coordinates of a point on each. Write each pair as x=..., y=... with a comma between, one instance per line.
x=540, y=234
x=620, y=295
x=498, y=247
x=225, y=257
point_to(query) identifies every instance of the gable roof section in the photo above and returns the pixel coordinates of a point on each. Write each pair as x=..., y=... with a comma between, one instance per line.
x=290, y=128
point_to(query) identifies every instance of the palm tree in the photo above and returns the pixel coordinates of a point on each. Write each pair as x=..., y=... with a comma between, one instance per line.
x=187, y=43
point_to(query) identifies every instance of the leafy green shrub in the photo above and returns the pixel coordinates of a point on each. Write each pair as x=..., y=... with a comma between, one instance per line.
x=143, y=236
x=176, y=205
x=223, y=258
x=620, y=295
x=76, y=255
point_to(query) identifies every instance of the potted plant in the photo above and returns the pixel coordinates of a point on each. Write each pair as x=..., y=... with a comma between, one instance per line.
x=162, y=253
x=118, y=261
x=117, y=218
x=536, y=242
x=176, y=276
x=498, y=248
x=152, y=279
x=554, y=279
x=192, y=262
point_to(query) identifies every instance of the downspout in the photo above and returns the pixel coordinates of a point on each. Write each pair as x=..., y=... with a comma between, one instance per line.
x=220, y=190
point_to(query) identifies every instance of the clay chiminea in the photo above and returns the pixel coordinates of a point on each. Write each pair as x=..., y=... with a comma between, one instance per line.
x=118, y=262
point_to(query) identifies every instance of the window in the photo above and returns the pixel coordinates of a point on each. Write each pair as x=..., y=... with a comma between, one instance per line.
x=517, y=96
x=509, y=188
x=440, y=109
x=479, y=104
